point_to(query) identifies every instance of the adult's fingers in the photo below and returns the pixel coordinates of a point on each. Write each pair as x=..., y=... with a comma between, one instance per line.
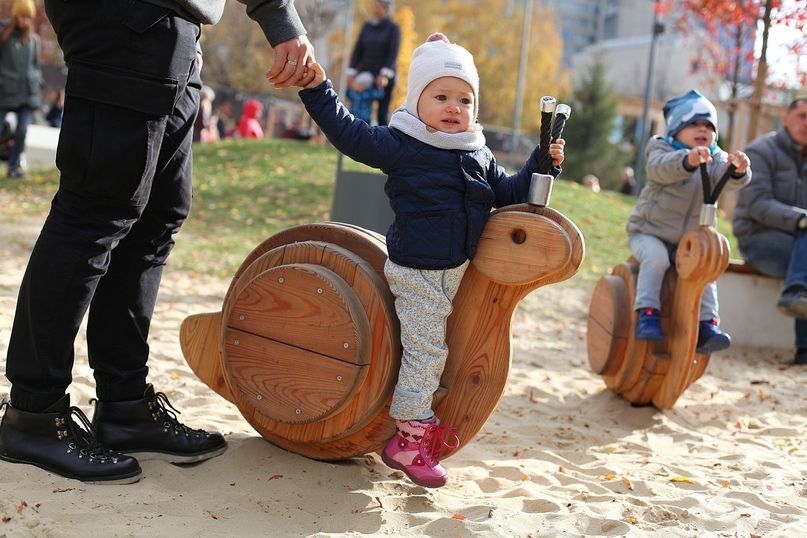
x=291, y=59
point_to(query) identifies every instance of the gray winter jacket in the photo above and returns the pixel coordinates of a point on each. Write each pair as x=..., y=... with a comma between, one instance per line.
x=778, y=196
x=278, y=18
x=20, y=76
x=670, y=203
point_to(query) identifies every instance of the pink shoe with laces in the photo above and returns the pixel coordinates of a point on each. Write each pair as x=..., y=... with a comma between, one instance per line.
x=415, y=447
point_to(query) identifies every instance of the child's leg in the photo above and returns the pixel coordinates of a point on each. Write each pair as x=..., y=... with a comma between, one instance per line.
x=654, y=260
x=423, y=302
x=710, y=337
x=709, y=302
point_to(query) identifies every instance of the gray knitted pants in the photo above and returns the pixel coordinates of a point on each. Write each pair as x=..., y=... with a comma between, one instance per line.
x=423, y=302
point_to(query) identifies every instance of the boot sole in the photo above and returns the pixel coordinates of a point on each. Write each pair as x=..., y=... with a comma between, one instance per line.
x=798, y=311
x=713, y=345
x=174, y=458
x=391, y=463
x=118, y=480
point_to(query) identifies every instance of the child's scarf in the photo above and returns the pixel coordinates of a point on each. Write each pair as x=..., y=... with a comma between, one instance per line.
x=411, y=125
x=680, y=145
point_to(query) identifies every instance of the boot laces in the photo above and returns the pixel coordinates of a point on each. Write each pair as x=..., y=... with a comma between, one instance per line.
x=438, y=440
x=161, y=408
x=83, y=437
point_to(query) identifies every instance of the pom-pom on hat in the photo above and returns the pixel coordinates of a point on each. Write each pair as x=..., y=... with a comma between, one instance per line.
x=436, y=58
x=686, y=109
x=23, y=8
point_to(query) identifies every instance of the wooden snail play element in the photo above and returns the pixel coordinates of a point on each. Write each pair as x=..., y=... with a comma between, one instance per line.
x=307, y=344
x=657, y=373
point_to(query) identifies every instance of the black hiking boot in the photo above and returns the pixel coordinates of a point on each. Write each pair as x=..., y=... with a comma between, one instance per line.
x=149, y=429
x=53, y=441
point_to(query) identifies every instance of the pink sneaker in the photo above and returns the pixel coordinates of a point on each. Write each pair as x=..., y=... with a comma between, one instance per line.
x=414, y=450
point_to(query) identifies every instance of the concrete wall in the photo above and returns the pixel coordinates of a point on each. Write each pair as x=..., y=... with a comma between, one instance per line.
x=748, y=311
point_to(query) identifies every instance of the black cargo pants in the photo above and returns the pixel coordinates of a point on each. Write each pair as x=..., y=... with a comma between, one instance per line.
x=124, y=155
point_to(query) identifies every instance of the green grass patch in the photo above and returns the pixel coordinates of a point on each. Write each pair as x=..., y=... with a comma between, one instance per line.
x=248, y=190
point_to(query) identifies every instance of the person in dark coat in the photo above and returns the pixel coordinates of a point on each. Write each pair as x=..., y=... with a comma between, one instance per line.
x=21, y=79
x=125, y=160
x=443, y=182
x=376, y=51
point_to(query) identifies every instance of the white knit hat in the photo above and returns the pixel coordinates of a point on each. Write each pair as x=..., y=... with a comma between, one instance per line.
x=436, y=58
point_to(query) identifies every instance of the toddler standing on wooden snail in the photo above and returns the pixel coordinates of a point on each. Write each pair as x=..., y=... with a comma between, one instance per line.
x=442, y=183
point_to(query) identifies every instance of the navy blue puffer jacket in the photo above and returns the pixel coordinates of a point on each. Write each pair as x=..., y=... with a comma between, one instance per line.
x=441, y=198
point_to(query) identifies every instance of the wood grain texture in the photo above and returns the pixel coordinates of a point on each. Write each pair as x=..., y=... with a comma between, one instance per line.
x=200, y=341
x=607, y=333
x=306, y=306
x=285, y=383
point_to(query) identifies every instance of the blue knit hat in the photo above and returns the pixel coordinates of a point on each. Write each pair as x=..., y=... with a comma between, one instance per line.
x=686, y=109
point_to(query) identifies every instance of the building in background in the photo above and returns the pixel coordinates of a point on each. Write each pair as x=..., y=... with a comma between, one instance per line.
x=618, y=33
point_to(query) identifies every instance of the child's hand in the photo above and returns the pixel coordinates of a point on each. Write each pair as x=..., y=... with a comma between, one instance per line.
x=314, y=75
x=741, y=161
x=697, y=155
x=556, y=151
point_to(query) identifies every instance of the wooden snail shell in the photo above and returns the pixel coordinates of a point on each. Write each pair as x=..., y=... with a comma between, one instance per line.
x=655, y=373
x=307, y=344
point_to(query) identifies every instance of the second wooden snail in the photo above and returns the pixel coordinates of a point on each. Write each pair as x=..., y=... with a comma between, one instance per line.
x=307, y=342
x=657, y=373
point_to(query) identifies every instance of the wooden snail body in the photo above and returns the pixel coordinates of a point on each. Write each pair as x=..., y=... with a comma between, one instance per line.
x=307, y=344
x=655, y=373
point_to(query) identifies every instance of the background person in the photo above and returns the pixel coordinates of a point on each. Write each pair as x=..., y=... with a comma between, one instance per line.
x=55, y=109
x=249, y=125
x=376, y=51
x=627, y=181
x=21, y=79
x=362, y=92
x=771, y=215
x=204, y=128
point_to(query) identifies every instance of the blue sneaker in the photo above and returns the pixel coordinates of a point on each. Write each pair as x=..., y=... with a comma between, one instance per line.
x=711, y=338
x=648, y=326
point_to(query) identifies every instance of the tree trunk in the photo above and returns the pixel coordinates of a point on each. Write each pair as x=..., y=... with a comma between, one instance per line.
x=762, y=75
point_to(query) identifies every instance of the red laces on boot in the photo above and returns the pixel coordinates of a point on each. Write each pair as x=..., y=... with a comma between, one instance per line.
x=438, y=438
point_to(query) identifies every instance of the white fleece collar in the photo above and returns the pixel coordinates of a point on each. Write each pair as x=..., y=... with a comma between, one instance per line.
x=411, y=125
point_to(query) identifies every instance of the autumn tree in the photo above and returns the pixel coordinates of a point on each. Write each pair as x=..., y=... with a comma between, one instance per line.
x=491, y=31
x=741, y=18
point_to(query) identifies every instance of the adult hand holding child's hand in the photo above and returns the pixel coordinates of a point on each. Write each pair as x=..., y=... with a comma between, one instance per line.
x=314, y=76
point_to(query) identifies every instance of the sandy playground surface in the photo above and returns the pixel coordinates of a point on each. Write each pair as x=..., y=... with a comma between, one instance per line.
x=561, y=456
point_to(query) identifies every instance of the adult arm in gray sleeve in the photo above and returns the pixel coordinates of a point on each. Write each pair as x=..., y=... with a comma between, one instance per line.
x=758, y=195
x=277, y=18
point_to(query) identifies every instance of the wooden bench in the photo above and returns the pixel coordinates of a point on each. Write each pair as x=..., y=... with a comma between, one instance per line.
x=748, y=308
